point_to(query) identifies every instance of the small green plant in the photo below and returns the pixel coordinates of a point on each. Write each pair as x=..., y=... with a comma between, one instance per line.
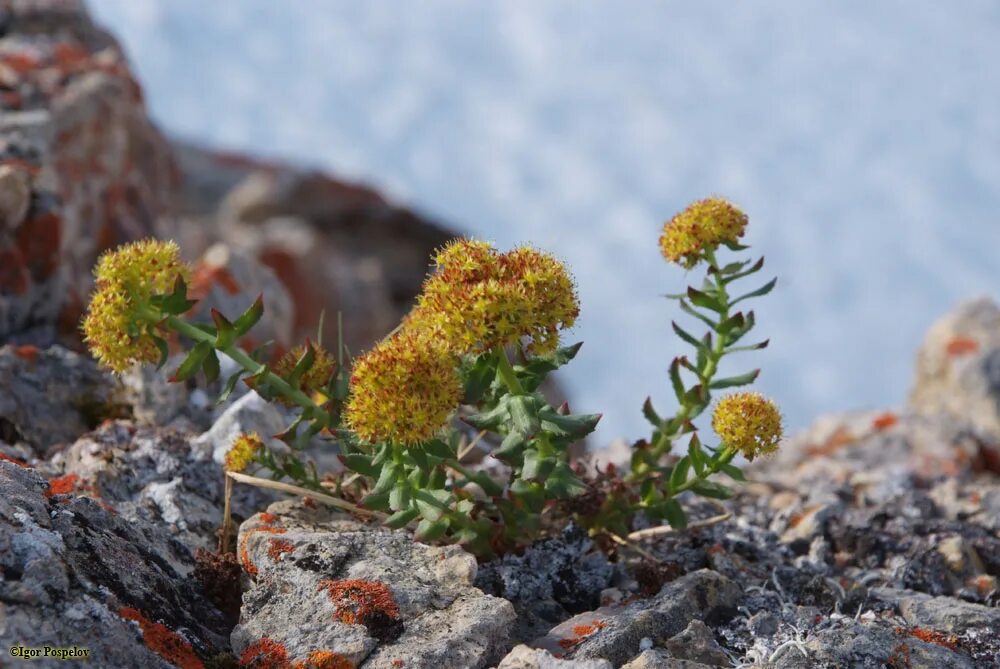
x=480, y=342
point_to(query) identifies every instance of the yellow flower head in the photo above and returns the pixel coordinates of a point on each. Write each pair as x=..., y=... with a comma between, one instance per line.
x=403, y=390
x=704, y=224
x=314, y=380
x=243, y=451
x=478, y=298
x=748, y=422
x=125, y=278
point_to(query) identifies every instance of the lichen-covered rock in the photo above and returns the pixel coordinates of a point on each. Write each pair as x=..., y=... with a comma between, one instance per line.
x=660, y=659
x=616, y=633
x=323, y=582
x=553, y=579
x=523, y=657
x=158, y=476
x=249, y=413
x=77, y=574
x=76, y=132
x=52, y=396
x=697, y=644
x=958, y=368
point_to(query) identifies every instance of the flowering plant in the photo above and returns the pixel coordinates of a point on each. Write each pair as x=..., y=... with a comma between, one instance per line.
x=472, y=354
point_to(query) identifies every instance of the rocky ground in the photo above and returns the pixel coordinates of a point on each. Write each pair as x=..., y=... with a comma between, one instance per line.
x=870, y=540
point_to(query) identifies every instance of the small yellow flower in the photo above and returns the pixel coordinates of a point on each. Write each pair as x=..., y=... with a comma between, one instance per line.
x=704, y=224
x=748, y=422
x=479, y=298
x=126, y=278
x=314, y=380
x=403, y=390
x=243, y=451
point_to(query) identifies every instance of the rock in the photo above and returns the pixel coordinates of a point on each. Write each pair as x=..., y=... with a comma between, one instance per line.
x=15, y=196
x=552, y=579
x=854, y=644
x=523, y=657
x=697, y=644
x=763, y=624
x=76, y=574
x=250, y=413
x=100, y=173
x=229, y=281
x=153, y=398
x=659, y=659
x=157, y=476
x=51, y=396
x=958, y=368
x=806, y=524
x=945, y=614
x=615, y=633
x=375, y=597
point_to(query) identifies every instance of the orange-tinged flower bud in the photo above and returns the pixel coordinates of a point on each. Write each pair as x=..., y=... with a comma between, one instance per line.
x=125, y=278
x=243, y=451
x=316, y=378
x=703, y=225
x=403, y=390
x=748, y=422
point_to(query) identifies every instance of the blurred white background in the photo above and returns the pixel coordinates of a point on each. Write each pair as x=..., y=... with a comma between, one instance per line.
x=862, y=138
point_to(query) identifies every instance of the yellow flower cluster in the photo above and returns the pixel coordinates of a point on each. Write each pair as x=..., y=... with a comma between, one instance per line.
x=314, y=380
x=748, y=422
x=704, y=224
x=126, y=278
x=479, y=298
x=403, y=390
x=243, y=451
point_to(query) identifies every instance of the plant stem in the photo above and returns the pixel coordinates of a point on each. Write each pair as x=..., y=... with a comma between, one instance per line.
x=253, y=367
x=506, y=372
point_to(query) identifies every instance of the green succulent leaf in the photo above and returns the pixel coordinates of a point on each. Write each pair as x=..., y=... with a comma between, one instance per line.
x=161, y=346
x=211, y=366
x=712, y=489
x=402, y=518
x=679, y=475
x=733, y=472
x=302, y=365
x=688, y=309
x=225, y=332
x=431, y=530
x=763, y=290
x=674, y=513
x=231, y=382
x=650, y=413
x=193, y=362
x=360, y=463
x=734, y=381
x=249, y=318
x=705, y=300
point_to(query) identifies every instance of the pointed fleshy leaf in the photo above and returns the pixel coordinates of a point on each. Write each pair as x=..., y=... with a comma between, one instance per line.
x=688, y=309
x=161, y=346
x=249, y=318
x=192, y=363
x=733, y=472
x=302, y=365
x=735, y=381
x=686, y=336
x=712, y=489
x=757, y=266
x=675, y=379
x=231, y=382
x=750, y=347
x=763, y=290
x=704, y=300
x=650, y=413
x=679, y=475
x=674, y=513
x=225, y=332
x=402, y=518
x=211, y=367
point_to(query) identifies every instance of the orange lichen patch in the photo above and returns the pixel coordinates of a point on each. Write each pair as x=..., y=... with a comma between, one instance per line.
x=840, y=438
x=63, y=485
x=27, y=352
x=248, y=565
x=207, y=276
x=163, y=641
x=268, y=518
x=900, y=658
x=984, y=584
x=6, y=458
x=885, y=421
x=397, y=663
x=325, y=659
x=931, y=636
x=581, y=632
x=265, y=654
x=962, y=346
x=309, y=502
x=278, y=547
x=368, y=603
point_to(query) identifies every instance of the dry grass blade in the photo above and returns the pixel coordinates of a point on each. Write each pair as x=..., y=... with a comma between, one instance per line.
x=305, y=492
x=659, y=530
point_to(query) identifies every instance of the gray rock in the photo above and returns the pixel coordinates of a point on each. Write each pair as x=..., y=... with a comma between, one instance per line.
x=51, y=396
x=250, y=413
x=864, y=646
x=553, y=579
x=958, y=367
x=76, y=574
x=660, y=659
x=376, y=597
x=696, y=643
x=615, y=633
x=945, y=614
x=523, y=657
x=15, y=196
x=156, y=475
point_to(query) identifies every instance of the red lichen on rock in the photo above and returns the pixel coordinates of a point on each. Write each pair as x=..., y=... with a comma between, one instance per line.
x=900, y=658
x=931, y=636
x=63, y=485
x=39, y=240
x=840, y=438
x=265, y=654
x=163, y=641
x=397, y=663
x=581, y=632
x=27, y=352
x=208, y=276
x=368, y=603
x=6, y=458
x=962, y=346
x=278, y=547
x=268, y=518
x=324, y=659
x=248, y=565
x=885, y=421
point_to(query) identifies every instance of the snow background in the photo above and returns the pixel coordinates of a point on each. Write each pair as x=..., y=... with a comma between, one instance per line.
x=862, y=138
